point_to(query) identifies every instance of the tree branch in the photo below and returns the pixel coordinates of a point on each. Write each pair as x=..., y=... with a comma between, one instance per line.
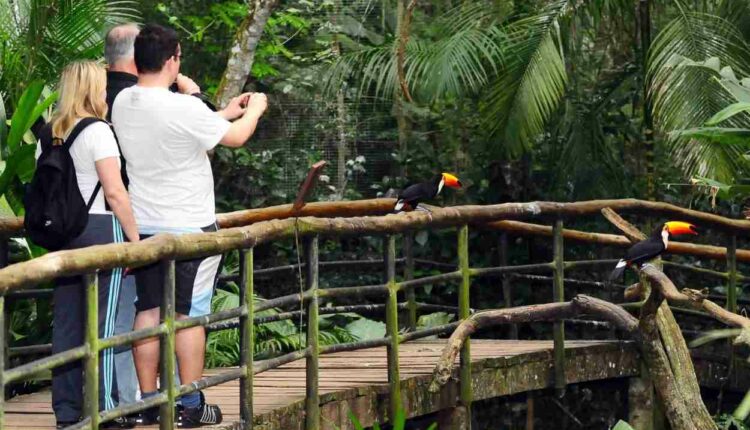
x=535, y=313
x=632, y=233
x=242, y=53
x=692, y=298
x=401, y=50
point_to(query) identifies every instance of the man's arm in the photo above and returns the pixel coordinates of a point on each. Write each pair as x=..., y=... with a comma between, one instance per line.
x=241, y=130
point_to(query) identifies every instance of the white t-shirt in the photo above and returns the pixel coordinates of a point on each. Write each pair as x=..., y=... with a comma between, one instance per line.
x=96, y=142
x=165, y=138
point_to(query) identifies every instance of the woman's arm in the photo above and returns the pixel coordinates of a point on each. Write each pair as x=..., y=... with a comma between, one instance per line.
x=108, y=170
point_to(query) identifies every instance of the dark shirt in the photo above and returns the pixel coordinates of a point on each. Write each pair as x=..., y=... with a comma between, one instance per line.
x=116, y=82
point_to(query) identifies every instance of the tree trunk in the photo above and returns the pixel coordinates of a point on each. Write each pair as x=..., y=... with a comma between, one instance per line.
x=341, y=146
x=242, y=53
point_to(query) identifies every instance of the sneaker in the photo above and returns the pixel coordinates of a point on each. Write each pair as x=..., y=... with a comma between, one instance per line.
x=119, y=423
x=150, y=416
x=147, y=417
x=203, y=415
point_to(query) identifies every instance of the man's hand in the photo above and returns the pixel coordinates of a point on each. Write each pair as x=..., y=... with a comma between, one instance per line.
x=257, y=104
x=236, y=107
x=186, y=85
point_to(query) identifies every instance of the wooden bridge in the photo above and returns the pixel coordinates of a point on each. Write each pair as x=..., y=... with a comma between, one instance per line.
x=374, y=377
x=357, y=381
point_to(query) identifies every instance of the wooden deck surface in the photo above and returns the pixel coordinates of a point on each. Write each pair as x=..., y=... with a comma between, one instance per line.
x=281, y=391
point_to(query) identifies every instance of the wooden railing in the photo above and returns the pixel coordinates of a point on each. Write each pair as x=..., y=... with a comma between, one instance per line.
x=248, y=229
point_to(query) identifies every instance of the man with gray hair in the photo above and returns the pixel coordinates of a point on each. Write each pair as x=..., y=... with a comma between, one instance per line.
x=121, y=74
x=121, y=71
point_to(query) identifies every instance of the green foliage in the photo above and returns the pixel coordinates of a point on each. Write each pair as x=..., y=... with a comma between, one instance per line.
x=366, y=329
x=16, y=148
x=398, y=424
x=685, y=96
x=531, y=83
x=622, y=425
x=210, y=32
x=39, y=37
x=728, y=422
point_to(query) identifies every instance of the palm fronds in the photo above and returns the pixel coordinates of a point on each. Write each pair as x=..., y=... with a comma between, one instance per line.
x=39, y=37
x=531, y=82
x=684, y=96
x=462, y=58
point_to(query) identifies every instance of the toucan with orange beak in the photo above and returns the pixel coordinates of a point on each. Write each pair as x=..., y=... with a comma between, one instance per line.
x=412, y=195
x=652, y=247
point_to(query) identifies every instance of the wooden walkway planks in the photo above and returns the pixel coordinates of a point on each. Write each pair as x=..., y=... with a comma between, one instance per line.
x=357, y=381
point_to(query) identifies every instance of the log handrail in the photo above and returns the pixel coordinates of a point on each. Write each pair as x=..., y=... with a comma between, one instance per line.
x=159, y=247
x=369, y=207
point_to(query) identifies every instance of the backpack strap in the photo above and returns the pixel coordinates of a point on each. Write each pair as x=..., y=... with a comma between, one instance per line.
x=82, y=124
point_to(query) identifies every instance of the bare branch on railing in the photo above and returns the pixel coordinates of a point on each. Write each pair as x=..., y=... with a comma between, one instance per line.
x=632, y=233
x=580, y=305
x=681, y=248
x=692, y=298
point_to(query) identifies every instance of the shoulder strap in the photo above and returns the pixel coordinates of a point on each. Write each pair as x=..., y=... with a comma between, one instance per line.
x=93, y=196
x=82, y=124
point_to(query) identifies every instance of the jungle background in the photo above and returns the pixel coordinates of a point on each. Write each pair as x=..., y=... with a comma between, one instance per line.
x=524, y=100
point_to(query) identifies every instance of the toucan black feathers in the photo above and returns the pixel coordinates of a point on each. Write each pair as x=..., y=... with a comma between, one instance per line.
x=652, y=247
x=412, y=195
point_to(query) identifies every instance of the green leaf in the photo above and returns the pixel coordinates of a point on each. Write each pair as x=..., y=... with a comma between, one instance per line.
x=435, y=319
x=714, y=335
x=622, y=425
x=729, y=136
x=3, y=129
x=728, y=112
x=23, y=115
x=355, y=421
x=723, y=191
x=422, y=237
x=364, y=329
x=17, y=159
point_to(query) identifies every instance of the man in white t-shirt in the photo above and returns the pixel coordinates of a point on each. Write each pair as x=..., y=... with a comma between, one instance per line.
x=165, y=138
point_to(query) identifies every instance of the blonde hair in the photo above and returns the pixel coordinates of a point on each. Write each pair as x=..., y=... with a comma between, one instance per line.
x=82, y=88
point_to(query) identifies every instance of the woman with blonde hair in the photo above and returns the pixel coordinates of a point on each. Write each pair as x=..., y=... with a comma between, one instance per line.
x=96, y=159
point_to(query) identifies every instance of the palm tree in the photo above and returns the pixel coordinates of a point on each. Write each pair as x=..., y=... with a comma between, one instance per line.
x=568, y=74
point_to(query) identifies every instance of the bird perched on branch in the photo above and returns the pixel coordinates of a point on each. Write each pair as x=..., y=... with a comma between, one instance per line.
x=652, y=247
x=412, y=195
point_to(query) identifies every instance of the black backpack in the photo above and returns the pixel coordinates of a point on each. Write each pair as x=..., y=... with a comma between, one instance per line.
x=55, y=210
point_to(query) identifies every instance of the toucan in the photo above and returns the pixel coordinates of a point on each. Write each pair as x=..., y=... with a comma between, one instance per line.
x=410, y=197
x=652, y=247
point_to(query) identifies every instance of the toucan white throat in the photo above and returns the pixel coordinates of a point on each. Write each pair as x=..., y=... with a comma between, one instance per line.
x=440, y=186
x=665, y=237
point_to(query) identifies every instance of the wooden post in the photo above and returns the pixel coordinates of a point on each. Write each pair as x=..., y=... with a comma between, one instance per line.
x=247, y=346
x=91, y=361
x=529, y=410
x=167, y=349
x=464, y=311
x=559, y=296
x=408, y=276
x=502, y=248
x=732, y=274
x=312, y=399
x=391, y=322
x=641, y=401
